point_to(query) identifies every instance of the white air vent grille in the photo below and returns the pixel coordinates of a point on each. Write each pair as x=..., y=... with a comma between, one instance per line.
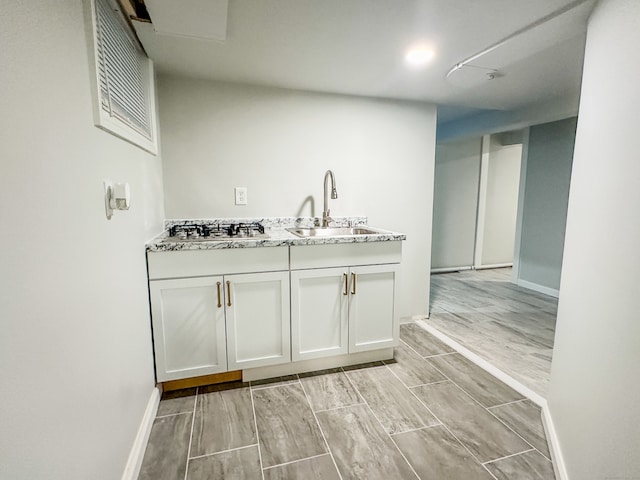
x=123, y=85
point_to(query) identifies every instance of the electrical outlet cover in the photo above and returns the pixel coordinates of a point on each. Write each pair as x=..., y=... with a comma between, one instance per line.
x=241, y=195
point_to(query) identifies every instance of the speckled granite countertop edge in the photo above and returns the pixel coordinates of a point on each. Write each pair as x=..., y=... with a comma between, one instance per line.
x=275, y=227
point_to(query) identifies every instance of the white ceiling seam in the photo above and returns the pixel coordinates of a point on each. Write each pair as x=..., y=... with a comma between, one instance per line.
x=196, y=19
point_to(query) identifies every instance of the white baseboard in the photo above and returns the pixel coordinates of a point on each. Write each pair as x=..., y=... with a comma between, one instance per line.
x=482, y=363
x=132, y=469
x=495, y=265
x=450, y=269
x=559, y=467
x=539, y=288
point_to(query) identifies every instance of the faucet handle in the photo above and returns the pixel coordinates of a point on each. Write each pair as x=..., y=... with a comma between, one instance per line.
x=326, y=218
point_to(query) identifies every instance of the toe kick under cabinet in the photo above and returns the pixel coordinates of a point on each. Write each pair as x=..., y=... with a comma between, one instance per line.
x=219, y=310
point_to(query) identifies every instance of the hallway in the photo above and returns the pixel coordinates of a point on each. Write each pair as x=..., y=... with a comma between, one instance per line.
x=511, y=327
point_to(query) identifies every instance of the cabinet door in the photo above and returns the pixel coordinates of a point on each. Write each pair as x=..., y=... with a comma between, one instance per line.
x=319, y=313
x=372, y=319
x=258, y=327
x=188, y=328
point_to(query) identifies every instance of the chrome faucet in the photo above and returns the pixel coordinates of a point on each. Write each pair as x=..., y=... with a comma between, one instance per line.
x=334, y=194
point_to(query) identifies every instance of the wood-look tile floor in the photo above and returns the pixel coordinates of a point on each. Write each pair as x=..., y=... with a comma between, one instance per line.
x=511, y=327
x=427, y=414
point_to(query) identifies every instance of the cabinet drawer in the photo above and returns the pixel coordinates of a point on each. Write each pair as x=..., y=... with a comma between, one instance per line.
x=196, y=263
x=341, y=254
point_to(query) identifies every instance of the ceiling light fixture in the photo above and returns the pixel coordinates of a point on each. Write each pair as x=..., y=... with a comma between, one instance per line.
x=419, y=56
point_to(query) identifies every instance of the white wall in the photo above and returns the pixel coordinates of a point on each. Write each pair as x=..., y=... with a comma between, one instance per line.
x=546, y=193
x=503, y=179
x=455, y=202
x=594, y=394
x=76, y=366
x=475, y=201
x=279, y=143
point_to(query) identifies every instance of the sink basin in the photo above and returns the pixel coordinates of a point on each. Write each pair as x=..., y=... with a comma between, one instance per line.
x=332, y=231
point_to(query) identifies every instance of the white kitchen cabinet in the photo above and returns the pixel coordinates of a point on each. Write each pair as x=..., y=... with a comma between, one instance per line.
x=344, y=309
x=258, y=319
x=372, y=320
x=244, y=309
x=209, y=316
x=319, y=313
x=188, y=328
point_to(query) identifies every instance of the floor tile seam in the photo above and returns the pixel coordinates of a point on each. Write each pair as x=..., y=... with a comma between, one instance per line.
x=507, y=403
x=439, y=355
x=324, y=438
x=529, y=443
x=446, y=427
x=427, y=384
x=512, y=429
x=403, y=455
x=193, y=421
x=255, y=426
x=173, y=414
x=537, y=450
x=409, y=346
x=488, y=471
x=367, y=403
x=439, y=424
x=509, y=456
x=296, y=461
x=390, y=438
x=456, y=384
x=421, y=356
x=342, y=407
x=382, y=426
x=265, y=387
x=228, y=450
x=443, y=423
x=492, y=414
x=415, y=386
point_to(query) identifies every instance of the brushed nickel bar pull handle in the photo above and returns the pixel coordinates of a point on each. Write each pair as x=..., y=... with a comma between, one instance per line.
x=353, y=283
x=346, y=284
x=228, y=293
x=218, y=284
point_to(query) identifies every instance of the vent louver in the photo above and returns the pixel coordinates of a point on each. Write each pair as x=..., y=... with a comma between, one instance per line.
x=121, y=78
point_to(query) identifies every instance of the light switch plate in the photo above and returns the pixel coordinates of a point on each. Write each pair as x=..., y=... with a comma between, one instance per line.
x=241, y=195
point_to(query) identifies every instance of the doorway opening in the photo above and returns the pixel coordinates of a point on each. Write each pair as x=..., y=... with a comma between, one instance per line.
x=500, y=208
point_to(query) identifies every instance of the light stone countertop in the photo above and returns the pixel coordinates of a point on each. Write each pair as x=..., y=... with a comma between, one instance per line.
x=276, y=234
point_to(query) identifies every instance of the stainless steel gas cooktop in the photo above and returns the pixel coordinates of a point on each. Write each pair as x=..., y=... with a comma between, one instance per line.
x=224, y=231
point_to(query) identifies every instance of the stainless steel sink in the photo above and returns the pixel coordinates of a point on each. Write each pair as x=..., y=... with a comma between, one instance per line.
x=332, y=231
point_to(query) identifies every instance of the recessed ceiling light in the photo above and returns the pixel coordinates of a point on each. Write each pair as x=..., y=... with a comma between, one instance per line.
x=419, y=56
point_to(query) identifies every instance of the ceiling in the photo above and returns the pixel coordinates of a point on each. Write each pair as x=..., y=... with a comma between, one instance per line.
x=357, y=47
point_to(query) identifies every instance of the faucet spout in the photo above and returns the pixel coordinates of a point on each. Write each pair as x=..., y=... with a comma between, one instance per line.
x=334, y=194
